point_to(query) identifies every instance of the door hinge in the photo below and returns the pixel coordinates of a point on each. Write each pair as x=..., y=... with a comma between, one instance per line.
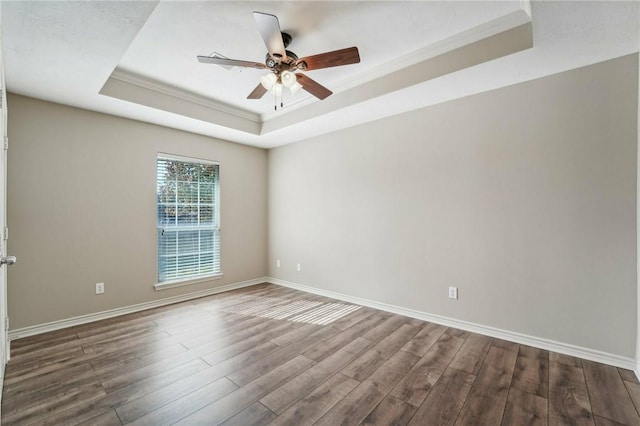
x=1, y=98
x=6, y=143
x=6, y=323
x=6, y=233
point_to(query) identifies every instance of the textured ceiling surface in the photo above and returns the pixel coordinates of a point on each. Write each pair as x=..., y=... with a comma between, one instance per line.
x=66, y=52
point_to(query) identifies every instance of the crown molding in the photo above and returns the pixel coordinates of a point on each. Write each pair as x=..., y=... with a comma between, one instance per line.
x=128, y=86
x=158, y=86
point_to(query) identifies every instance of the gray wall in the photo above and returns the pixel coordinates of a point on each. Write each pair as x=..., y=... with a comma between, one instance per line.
x=81, y=210
x=524, y=198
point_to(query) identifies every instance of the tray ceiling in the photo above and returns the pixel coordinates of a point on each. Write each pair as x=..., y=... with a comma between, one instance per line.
x=138, y=59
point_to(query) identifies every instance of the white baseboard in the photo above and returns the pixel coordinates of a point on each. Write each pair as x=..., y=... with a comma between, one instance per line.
x=84, y=319
x=537, y=342
x=563, y=348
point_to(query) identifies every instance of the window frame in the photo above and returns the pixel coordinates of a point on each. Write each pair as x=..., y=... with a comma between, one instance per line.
x=194, y=279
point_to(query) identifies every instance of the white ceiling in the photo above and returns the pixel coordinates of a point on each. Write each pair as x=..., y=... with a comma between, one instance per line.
x=65, y=52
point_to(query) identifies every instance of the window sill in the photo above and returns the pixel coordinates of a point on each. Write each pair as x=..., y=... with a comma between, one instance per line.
x=181, y=283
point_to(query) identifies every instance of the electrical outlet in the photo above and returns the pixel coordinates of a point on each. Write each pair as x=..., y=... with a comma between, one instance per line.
x=277, y=263
x=298, y=267
x=453, y=292
x=99, y=288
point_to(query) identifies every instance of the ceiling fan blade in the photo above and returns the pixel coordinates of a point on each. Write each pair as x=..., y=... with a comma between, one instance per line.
x=258, y=92
x=269, y=29
x=336, y=58
x=229, y=62
x=313, y=87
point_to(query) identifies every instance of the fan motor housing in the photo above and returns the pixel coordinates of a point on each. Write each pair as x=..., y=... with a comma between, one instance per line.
x=273, y=61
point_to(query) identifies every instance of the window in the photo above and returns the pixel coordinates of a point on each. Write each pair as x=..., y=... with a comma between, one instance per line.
x=188, y=219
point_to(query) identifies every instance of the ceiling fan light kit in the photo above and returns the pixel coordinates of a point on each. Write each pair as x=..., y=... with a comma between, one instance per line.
x=268, y=81
x=288, y=78
x=284, y=64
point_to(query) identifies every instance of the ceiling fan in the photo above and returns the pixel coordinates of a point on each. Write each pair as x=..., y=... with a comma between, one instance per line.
x=284, y=64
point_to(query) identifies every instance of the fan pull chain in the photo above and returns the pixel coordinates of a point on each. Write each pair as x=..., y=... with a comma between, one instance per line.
x=275, y=101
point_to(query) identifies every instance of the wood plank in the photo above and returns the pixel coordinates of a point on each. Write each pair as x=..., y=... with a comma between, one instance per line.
x=419, y=381
x=90, y=406
x=386, y=327
x=135, y=328
x=110, y=324
x=424, y=339
x=628, y=375
x=193, y=336
x=361, y=401
x=156, y=338
x=46, y=380
x=108, y=418
x=353, y=318
x=415, y=322
x=190, y=316
x=565, y=359
x=219, y=351
x=18, y=350
x=58, y=403
x=326, y=347
x=44, y=338
x=394, y=369
x=532, y=371
x=49, y=393
x=128, y=378
x=506, y=345
x=487, y=398
x=318, y=402
x=212, y=322
x=296, y=334
x=284, y=396
x=19, y=370
x=258, y=368
x=362, y=367
x=390, y=411
x=355, y=407
x=255, y=414
x=601, y=421
x=206, y=344
x=186, y=405
x=443, y=404
x=525, y=409
x=231, y=404
x=634, y=393
x=568, y=396
x=392, y=342
x=608, y=395
x=105, y=365
x=261, y=341
x=160, y=397
x=455, y=332
x=471, y=354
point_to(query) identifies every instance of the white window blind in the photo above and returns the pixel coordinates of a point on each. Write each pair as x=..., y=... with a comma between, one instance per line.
x=188, y=219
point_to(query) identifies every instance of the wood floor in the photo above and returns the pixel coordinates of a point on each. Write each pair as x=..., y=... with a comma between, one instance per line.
x=271, y=355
